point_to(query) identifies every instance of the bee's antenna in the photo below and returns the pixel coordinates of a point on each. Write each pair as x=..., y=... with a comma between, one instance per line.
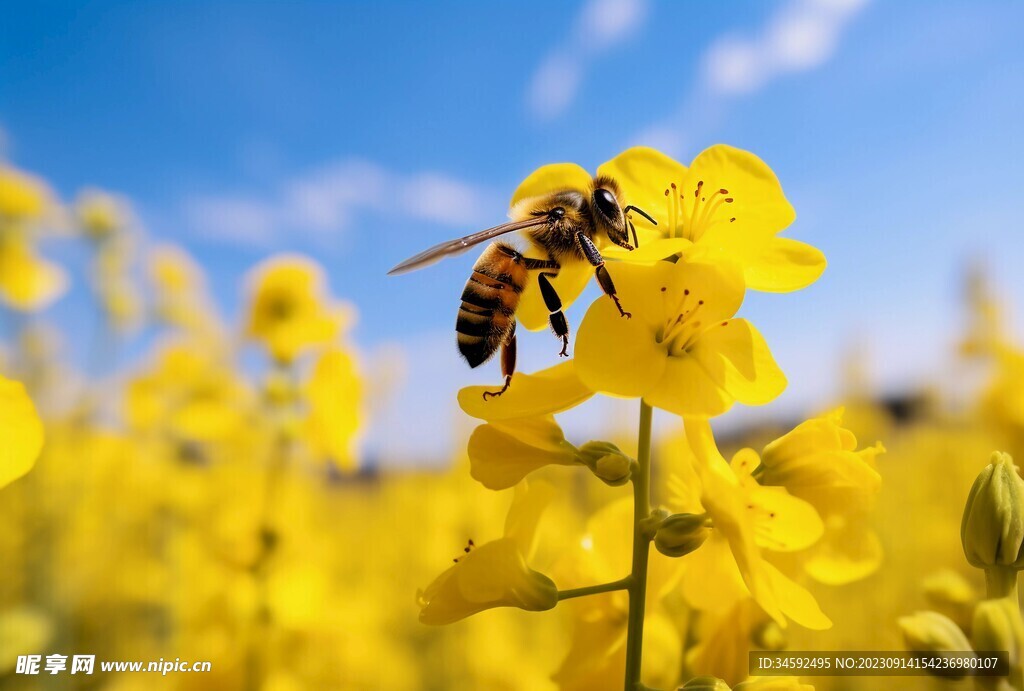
x=639, y=211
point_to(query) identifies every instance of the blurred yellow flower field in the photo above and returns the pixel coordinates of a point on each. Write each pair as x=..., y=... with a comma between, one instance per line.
x=195, y=472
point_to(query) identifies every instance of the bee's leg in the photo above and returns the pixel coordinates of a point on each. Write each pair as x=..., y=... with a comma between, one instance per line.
x=508, y=362
x=554, y=304
x=625, y=215
x=592, y=254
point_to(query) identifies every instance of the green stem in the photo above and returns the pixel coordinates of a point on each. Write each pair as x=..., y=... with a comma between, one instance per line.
x=621, y=584
x=1001, y=581
x=641, y=549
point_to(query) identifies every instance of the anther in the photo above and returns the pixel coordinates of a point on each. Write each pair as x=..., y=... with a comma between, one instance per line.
x=732, y=220
x=723, y=191
x=728, y=200
x=663, y=289
x=666, y=193
x=696, y=192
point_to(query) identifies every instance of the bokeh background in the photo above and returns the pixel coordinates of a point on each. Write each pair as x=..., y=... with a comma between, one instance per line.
x=179, y=148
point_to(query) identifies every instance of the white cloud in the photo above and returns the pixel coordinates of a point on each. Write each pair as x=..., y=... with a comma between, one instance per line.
x=801, y=36
x=327, y=201
x=600, y=25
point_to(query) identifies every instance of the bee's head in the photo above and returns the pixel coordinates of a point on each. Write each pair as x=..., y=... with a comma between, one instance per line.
x=608, y=212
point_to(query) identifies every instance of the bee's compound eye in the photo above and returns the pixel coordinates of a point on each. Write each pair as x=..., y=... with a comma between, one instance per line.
x=556, y=213
x=606, y=203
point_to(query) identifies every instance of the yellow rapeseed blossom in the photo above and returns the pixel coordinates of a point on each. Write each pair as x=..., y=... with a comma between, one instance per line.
x=288, y=309
x=23, y=198
x=334, y=393
x=729, y=202
x=189, y=393
x=101, y=215
x=747, y=518
x=682, y=351
x=180, y=295
x=28, y=282
x=495, y=574
x=818, y=461
x=21, y=431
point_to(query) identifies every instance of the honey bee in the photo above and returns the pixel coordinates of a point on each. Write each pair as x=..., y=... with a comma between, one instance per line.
x=563, y=225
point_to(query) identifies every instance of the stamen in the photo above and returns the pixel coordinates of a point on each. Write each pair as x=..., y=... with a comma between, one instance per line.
x=712, y=205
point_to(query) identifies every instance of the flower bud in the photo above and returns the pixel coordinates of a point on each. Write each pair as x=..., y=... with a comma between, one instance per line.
x=606, y=460
x=998, y=626
x=706, y=684
x=931, y=632
x=681, y=534
x=992, y=530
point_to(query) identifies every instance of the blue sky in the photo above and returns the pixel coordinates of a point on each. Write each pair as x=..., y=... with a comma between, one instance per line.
x=362, y=133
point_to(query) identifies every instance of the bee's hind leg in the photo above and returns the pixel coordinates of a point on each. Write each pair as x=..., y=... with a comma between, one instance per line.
x=508, y=362
x=592, y=254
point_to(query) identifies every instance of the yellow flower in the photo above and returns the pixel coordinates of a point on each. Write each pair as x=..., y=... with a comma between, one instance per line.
x=288, y=310
x=189, y=392
x=23, y=198
x=546, y=392
x=334, y=394
x=729, y=202
x=100, y=214
x=682, y=351
x=502, y=453
x=27, y=281
x=179, y=289
x=21, y=431
x=818, y=462
x=746, y=519
x=495, y=574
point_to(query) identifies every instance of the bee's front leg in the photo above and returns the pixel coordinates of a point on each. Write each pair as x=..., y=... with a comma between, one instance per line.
x=592, y=254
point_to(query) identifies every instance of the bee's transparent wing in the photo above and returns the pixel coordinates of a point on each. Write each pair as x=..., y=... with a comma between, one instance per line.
x=453, y=247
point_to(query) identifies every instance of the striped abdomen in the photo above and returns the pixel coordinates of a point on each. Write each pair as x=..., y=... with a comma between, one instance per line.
x=489, y=301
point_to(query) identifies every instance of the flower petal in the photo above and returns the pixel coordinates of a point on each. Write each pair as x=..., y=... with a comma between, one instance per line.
x=648, y=252
x=548, y=391
x=759, y=204
x=529, y=501
x=784, y=265
x=736, y=357
x=616, y=355
x=643, y=175
x=795, y=601
x=782, y=522
x=503, y=453
x=554, y=177
x=21, y=431
x=686, y=389
x=849, y=552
